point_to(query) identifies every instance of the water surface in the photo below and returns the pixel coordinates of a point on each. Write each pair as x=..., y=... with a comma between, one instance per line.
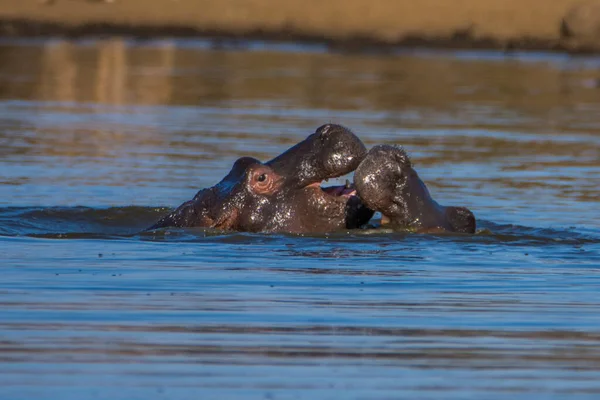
x=100, y=138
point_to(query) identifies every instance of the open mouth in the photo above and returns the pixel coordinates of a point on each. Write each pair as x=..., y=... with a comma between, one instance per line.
x=346, y=190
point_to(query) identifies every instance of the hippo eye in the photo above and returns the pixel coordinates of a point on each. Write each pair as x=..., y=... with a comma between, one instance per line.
x=265, y=182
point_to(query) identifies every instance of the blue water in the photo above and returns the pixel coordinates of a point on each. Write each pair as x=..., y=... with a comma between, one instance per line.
x=99, y=139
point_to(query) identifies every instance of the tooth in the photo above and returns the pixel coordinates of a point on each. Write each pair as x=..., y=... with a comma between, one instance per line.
x=347, y=183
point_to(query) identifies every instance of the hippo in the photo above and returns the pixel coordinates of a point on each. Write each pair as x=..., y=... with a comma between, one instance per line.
x=386, y=182
x=285, y=193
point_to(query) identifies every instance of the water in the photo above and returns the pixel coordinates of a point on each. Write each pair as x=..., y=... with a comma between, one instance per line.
x=98, y=139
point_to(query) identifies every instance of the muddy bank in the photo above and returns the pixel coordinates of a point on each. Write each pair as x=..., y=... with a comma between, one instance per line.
x=562, y=25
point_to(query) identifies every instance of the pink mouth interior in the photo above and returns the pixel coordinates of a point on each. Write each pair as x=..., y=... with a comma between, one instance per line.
x=339, y=190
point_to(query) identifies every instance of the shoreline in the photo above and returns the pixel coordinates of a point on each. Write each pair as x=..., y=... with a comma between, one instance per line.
x=566, y=26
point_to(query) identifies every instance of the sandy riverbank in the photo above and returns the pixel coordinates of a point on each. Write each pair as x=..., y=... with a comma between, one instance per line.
x=504, y=24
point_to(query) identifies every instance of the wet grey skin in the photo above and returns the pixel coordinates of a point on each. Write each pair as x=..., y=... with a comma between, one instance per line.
x=387, y=182
x=284, y=194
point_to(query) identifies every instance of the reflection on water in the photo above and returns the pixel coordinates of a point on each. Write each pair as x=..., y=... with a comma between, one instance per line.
x=91, y=306
x=125, y=72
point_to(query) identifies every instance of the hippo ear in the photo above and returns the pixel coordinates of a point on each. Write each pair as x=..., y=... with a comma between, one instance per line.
x=461, y=219
x=262, y=180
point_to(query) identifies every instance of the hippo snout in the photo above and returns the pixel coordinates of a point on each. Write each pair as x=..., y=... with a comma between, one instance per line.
x=331, y=151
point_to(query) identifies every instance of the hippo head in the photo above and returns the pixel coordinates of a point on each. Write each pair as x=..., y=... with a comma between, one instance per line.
x=386, y=182
x=284, y=194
